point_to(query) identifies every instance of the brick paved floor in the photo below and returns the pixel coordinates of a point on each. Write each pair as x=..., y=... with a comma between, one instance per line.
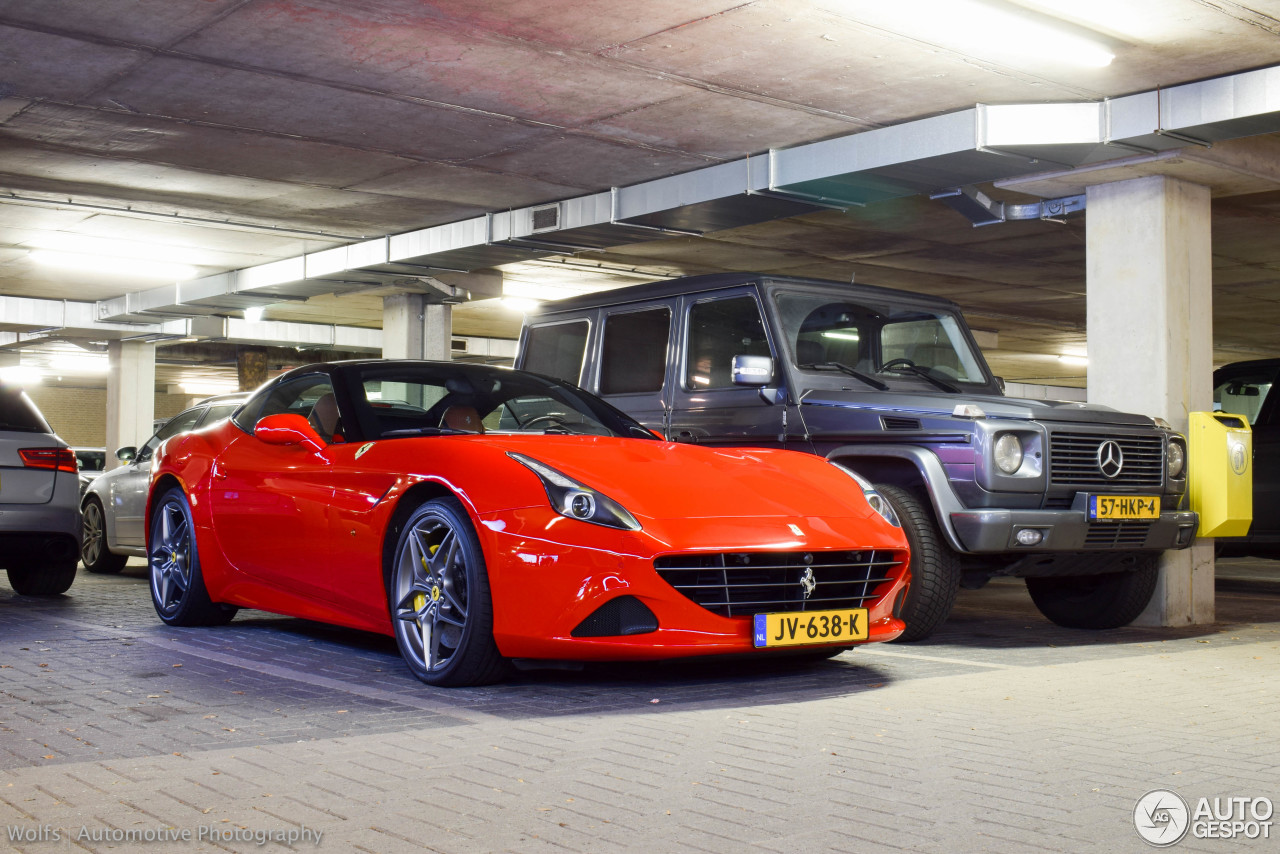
x=1003, y=733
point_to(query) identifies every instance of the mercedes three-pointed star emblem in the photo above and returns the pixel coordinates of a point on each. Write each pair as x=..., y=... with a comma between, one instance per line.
x=1110, y=459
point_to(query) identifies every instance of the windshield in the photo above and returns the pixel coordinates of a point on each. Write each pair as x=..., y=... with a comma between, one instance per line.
x=877, y=338
x=434, y=398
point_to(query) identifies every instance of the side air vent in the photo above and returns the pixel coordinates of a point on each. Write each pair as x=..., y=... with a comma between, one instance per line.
x=894, y=422
x=546, y=218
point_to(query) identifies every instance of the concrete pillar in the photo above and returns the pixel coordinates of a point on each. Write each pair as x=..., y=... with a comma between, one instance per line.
x=412, y=328
x=251, y=367
x=131, y=395
x=1150, y=324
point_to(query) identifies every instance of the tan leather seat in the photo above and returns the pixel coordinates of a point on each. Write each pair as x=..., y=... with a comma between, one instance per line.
x=324, y=418
x=462, y=418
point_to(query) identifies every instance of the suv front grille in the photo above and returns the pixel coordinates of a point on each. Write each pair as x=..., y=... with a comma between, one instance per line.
x=1110, y=535
x=734, y=584
x=1073, y=460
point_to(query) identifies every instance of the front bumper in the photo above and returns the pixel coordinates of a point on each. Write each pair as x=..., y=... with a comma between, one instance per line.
x=548, y=574
x=996, y=531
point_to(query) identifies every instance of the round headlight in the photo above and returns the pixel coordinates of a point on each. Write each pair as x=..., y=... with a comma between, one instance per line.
x=1008, y=453
x=1177, y=459
x=581, y=505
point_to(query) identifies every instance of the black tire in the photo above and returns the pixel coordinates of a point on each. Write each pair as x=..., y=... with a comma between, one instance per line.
x=438, y=594
x=93, y=545
x=935, y=568
x=1106, y=601
x=42, y=579
x=173, y=567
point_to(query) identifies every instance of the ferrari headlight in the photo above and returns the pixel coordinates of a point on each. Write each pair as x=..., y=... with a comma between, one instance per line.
x=878, y=502
x=1008, y=453
x=576, y=500
x=1176, y=460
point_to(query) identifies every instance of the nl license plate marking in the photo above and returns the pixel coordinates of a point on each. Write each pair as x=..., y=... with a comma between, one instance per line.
x=1116, y=508
x=810, y=627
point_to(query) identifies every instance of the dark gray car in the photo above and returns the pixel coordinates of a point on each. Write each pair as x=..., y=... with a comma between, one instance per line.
x=115, y=504
x=39, y=499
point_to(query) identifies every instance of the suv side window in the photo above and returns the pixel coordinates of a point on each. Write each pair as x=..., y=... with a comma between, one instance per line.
x=720, y=329
x=634, y=357
x=557, y=350
x=1244, y=394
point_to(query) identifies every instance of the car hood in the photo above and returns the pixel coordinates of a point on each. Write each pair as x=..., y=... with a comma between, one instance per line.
x=665, y=480
x=995, y=406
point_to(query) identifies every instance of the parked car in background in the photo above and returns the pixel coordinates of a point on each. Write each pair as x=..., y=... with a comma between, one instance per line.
x=39, y=499
x=1245, y=388
x=114, y=503
x=480, y=514
x=90, y=462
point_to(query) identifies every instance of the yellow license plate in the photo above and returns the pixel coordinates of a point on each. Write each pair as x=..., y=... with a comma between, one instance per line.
x=1116, y=508
x=810, y=627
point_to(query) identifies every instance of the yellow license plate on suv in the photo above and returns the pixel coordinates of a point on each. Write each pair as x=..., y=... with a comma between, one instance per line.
x=809, y=627
x=1119, y=508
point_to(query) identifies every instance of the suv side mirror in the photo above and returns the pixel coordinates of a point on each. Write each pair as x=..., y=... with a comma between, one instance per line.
x=127, y=454
x=752, y=370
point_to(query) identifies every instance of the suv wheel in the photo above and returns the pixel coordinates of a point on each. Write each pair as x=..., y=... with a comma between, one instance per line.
x=935, y=569
x=1106, y=601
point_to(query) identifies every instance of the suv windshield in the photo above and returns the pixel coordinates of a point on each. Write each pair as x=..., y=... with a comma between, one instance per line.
x=877, y=338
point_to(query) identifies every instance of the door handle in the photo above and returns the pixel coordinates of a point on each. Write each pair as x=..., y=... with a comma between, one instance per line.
x=685, y=436
x=218, y=472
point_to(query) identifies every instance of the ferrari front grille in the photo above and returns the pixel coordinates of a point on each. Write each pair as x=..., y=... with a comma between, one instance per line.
x=734, y=584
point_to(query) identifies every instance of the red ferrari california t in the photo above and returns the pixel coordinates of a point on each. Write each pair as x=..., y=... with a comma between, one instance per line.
x=482, y=514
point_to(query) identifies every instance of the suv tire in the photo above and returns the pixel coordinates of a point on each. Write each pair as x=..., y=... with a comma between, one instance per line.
x=43, y=579
x=1106, y=601
x=935, y=568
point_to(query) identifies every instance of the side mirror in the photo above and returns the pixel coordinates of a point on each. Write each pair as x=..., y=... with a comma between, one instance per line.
x=752, y=370
x=127, y=454
x=1000, y=384
x=288, y=429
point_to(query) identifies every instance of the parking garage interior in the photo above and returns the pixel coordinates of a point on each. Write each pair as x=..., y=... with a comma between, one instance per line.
x=198, y=196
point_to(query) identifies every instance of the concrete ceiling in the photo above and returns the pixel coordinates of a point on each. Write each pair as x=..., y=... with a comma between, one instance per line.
x=239, y=132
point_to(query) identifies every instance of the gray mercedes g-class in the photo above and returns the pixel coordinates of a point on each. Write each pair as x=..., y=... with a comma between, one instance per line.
x=1077, y=498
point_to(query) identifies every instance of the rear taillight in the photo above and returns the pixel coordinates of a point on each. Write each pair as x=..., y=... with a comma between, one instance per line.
x=58, y=459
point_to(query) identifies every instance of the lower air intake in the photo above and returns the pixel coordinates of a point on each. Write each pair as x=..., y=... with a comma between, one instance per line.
x=625, y=615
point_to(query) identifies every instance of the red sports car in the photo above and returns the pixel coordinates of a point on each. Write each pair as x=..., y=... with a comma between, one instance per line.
x=482, y=514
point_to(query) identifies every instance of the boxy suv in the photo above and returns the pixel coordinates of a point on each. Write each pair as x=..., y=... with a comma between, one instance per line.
x=1078, y=499
x=39, y=499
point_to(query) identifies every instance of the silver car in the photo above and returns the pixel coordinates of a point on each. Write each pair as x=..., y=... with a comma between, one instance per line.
x=39, y=499
x=115, y=503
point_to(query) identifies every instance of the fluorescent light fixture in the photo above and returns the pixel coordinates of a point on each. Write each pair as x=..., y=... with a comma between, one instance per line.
x=998, y=30
x=207, y=387
x=78, y=363
x=520, y=304
x=1070, y=359
x=253, y=314
x=114, y=265
x=843, y=336
x=23, y=375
